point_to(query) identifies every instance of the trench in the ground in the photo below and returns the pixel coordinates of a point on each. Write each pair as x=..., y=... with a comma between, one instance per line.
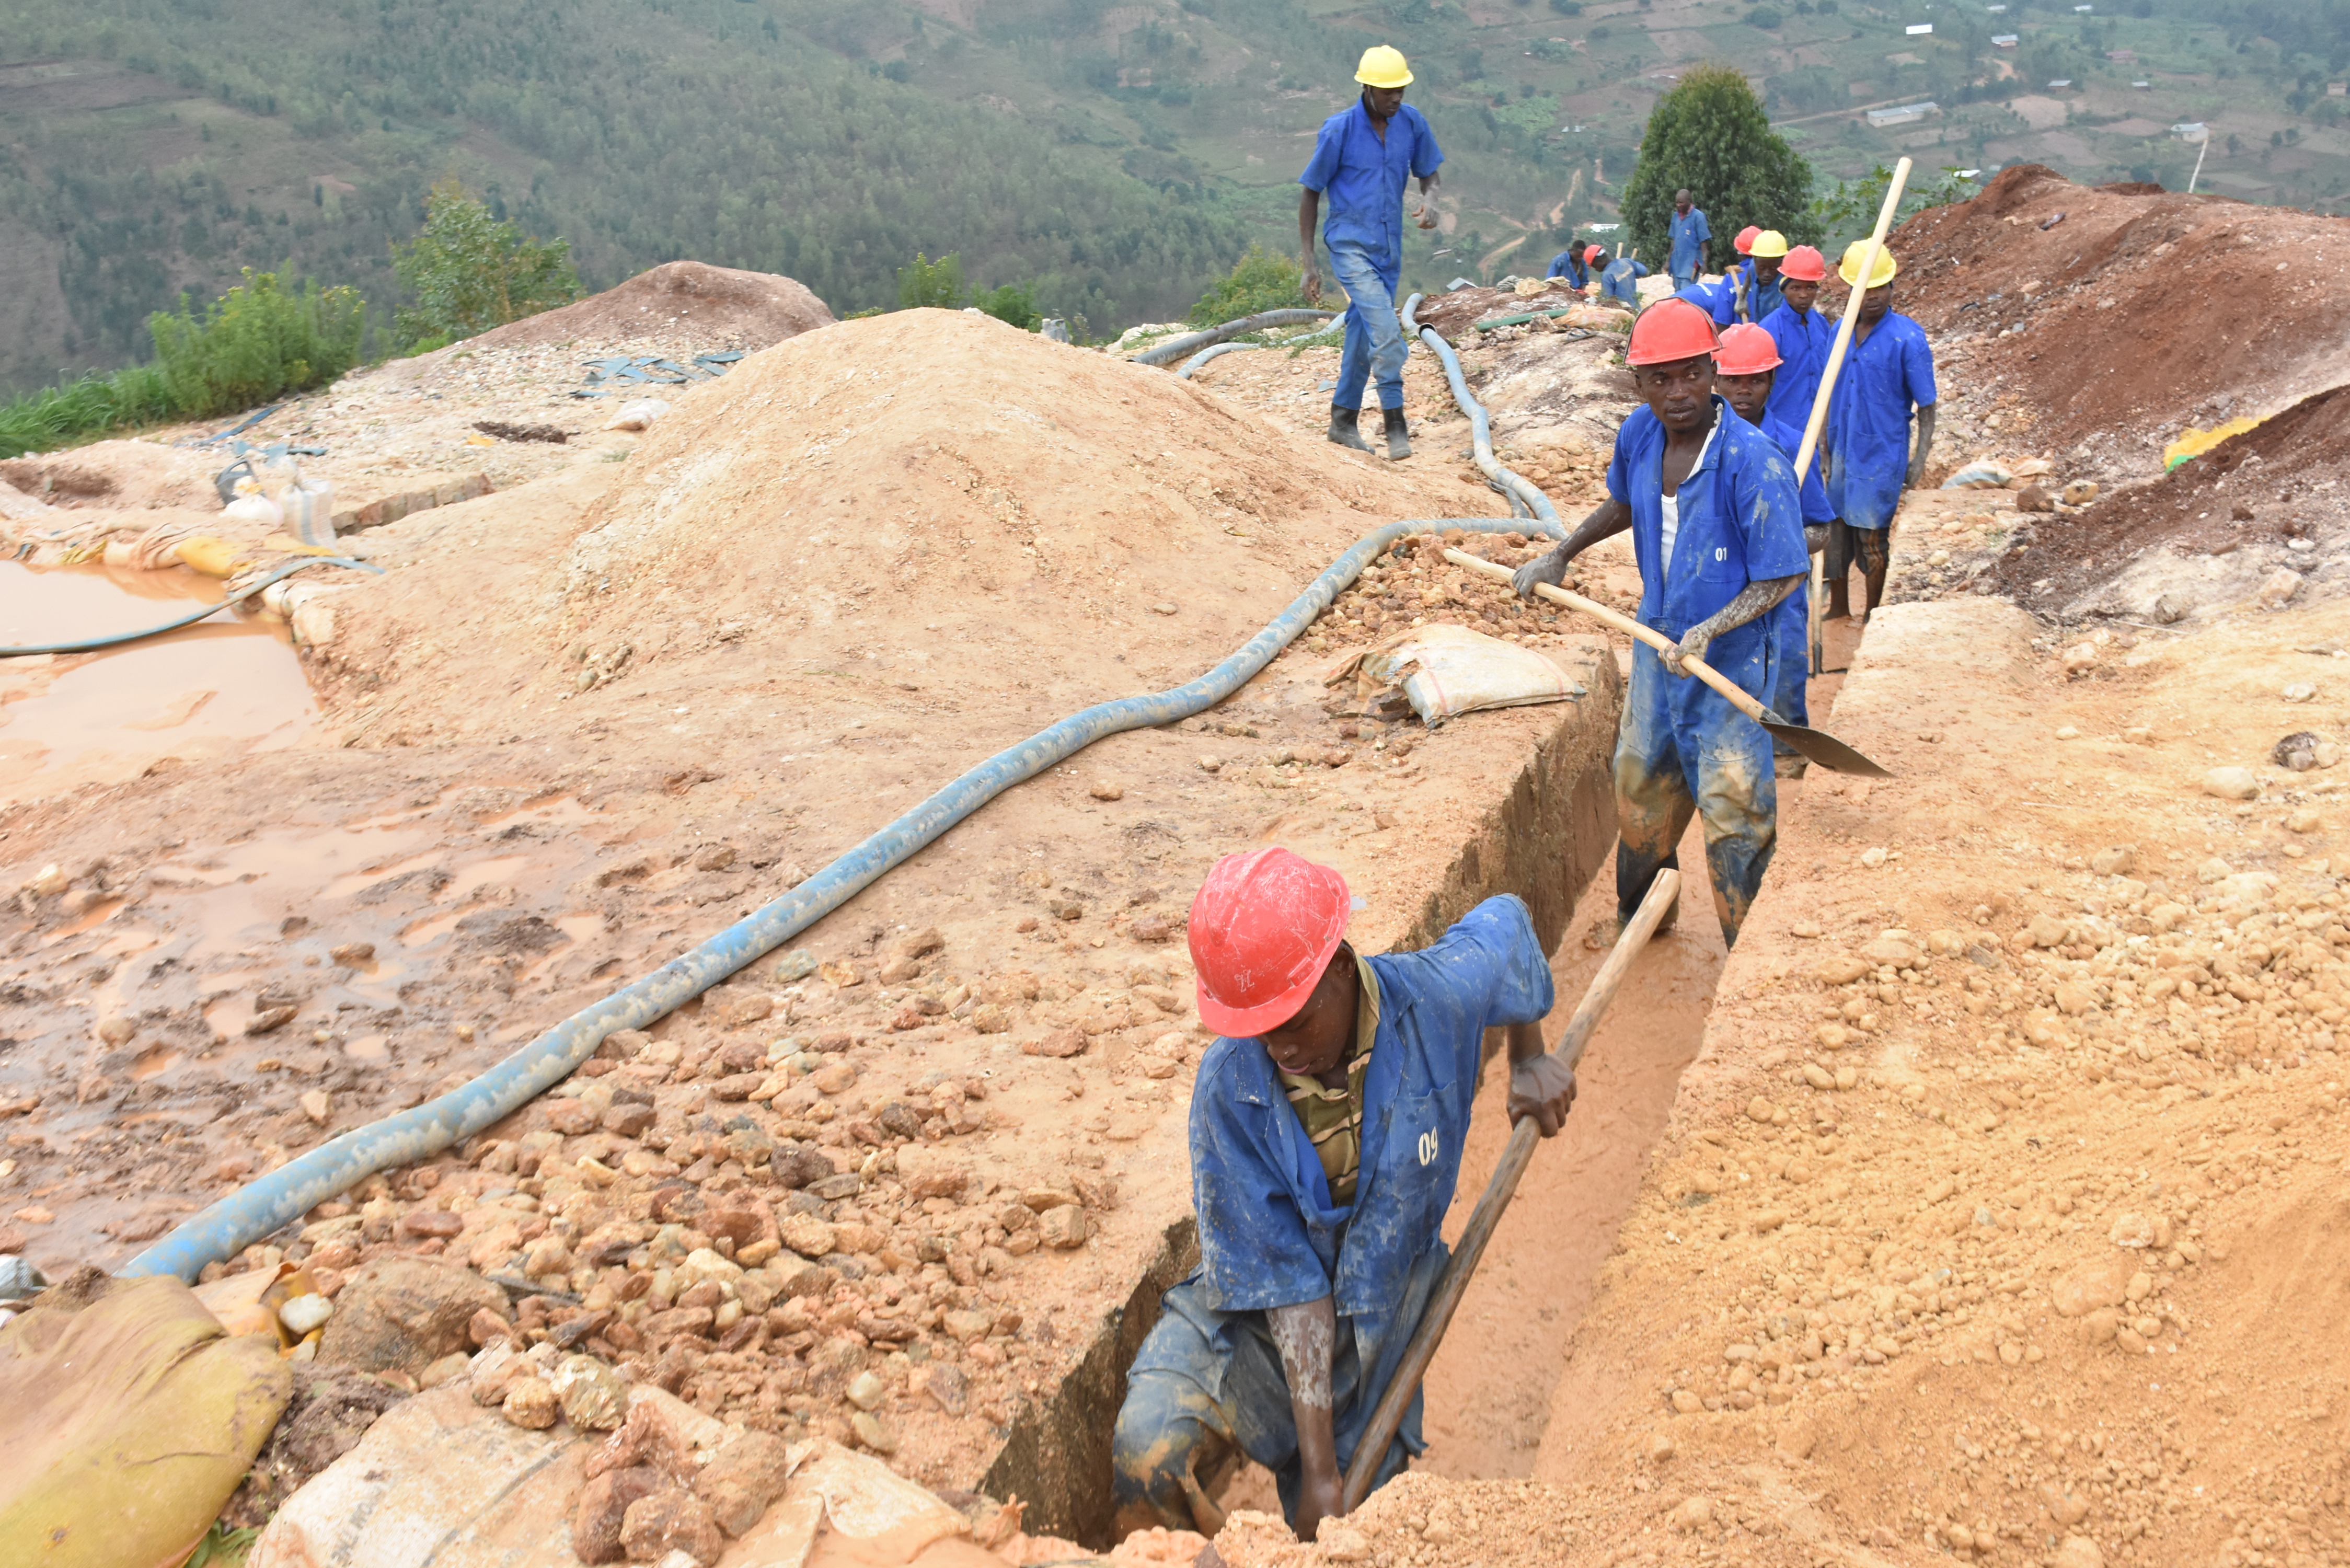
x=1489, y=1389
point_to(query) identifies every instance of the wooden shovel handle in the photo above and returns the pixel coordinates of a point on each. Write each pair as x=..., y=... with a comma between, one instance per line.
x=1729, y=689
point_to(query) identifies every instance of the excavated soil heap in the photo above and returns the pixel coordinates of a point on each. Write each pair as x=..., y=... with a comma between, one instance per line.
x=748, y=309
x=2139, y=310
x=2277, y=480
x=970, y=506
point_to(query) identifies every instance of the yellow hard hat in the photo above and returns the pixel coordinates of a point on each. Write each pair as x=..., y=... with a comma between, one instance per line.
x=1383, y=67
x=1769, y=243
x=1848, y=269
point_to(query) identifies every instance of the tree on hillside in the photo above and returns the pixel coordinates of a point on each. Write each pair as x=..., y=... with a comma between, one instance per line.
x=468, y=271
x=1261, y=280
x=1710, y=135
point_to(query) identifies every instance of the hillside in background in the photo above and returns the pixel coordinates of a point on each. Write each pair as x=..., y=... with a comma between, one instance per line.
x=1115, y=157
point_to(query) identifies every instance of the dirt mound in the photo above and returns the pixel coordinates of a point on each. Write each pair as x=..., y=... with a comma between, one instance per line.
x=928, y=493
x=120, y=475
x=743, y=309
x=2255, y=495
x=1455, y=314
x=2139, y=311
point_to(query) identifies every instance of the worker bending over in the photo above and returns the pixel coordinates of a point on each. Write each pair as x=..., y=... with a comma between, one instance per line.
x=1327, y=1130
x=1887, y=372
x=1364, y=158
x=1619, y=281
x=1573, y=264
x=1716, y=529
x=1745, y=368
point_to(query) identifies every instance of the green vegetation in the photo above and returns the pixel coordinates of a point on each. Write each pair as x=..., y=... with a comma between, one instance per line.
x=468, y=272
x=1010, y=302
x=932, y=284
x=1848, y=211
x=1261, y=280
x=257, y=341
x=1710, y=135
x=222, y=1548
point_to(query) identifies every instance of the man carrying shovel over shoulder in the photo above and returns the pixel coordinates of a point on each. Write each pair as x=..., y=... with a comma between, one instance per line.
x=1717, y=532
x=1888, y=372
x=1364, y=158
x=1326, y=1131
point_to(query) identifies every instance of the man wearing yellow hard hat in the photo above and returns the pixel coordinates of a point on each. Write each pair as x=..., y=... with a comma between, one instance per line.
x=1364, y=158
x=1758, y=277
x=1887, y=372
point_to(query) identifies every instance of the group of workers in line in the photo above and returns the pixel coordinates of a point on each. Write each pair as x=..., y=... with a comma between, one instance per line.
x=1328, y=1119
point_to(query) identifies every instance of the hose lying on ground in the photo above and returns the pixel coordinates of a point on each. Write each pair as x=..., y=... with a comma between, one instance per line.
x=1481, y=430
x=269, y=1203
x=91, y=644
x=1204, y=354
x=1174, y=348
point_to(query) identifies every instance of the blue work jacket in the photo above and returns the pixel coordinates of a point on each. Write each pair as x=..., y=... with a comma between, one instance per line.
x=1270, y=1236
x=1787, y=437
x=1686, y=232
x=1364, y=177
x=1718, y=300
x=1755, y=301
x=1869, y=419
x=1568, y=264
x=1803, y=342
x=1618, y=280
x=1740, y=523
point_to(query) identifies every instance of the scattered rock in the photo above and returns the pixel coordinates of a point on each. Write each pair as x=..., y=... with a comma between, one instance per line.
x=2117, y=861
x=401, y=1314
x=2303, y=819
x=1841, y=968
x=1061, y=1043
x=1105, y=789
x=531, y=1402
x=1063, y=1227
x=2231, y=783
x=1694, y=1513
x=594, y=1398
x=317, y=1106
x=2299, y=692
x=2078, y=1552
x=2297, y=752
x=2277, y=589
x=602, y=1508
x=741, y=1478
x=807, y=1235
x=874, y=1433
x=671, y=1520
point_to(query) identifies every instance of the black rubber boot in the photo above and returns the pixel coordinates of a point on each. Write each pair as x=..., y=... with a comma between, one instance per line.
x=1343, y=431
x=1398, y=433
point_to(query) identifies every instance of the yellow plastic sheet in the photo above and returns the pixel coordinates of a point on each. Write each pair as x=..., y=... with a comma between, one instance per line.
x=128, y=1419
x=2194, y=441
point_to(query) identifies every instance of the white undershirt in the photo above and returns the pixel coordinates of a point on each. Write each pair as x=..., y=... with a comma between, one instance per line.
x=1673, y=503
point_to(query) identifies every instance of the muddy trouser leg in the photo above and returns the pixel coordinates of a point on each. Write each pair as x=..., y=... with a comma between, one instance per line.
x=1737, y=790
x=1203, y=1384
x=1791, y=665
x=1654, y=802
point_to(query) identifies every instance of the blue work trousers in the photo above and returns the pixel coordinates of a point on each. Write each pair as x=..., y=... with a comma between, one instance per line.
x=1207, y=1383
x=1375, y=340
x=1683, y=751
x=1792, y=664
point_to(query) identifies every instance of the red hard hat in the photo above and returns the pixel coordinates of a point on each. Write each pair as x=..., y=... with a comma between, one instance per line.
x=1593, y=253
x=1668, y=330
x=1263, y=929
x=1745, y=240
x=1805, y=265
x=1746, y=350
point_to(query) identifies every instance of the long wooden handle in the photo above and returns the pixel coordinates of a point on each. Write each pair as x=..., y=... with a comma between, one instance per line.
x=1811, y=441
x=1387, y=1416
x=1730, y=688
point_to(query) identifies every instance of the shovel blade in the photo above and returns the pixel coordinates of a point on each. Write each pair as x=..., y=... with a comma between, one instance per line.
x=1825, y=749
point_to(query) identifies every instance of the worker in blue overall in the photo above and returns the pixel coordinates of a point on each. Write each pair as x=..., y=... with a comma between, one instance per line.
x=1802, y=334
x=1570, y=264
x=1887, y=372
x=1745, y=368
x=1691, y=239
x=1759, y=290
x=1364, y=158
x=1327, y=1130
x=1718, y=533
x=1619, y=281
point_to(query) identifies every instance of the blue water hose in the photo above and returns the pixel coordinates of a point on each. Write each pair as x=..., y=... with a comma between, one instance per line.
x=1175, y=349
x=91, y=644
x=1480, y=428
x=268, y=1204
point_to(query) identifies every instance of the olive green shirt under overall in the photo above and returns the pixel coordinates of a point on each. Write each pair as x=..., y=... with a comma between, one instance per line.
x=1333, y=1118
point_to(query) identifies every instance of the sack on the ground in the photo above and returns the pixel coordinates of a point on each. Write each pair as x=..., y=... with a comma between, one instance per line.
x=1444, y=672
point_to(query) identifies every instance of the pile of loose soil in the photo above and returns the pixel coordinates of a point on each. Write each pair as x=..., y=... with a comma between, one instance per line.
x=722, y=305
x=2255, y=495
x=1455, y=314
x=2139, y=311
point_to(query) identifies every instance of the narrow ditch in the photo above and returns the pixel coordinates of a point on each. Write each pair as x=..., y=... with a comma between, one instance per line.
x=1552, y=841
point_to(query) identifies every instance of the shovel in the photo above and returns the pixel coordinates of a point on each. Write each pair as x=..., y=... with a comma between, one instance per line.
x=1816, y=746
x=1387, y=1415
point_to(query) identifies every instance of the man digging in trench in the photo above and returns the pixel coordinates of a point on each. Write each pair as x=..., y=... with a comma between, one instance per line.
x=1327, y=1130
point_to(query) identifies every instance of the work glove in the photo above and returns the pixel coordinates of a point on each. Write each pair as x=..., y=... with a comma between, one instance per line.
x=1693, y=644
x=1550, y=567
